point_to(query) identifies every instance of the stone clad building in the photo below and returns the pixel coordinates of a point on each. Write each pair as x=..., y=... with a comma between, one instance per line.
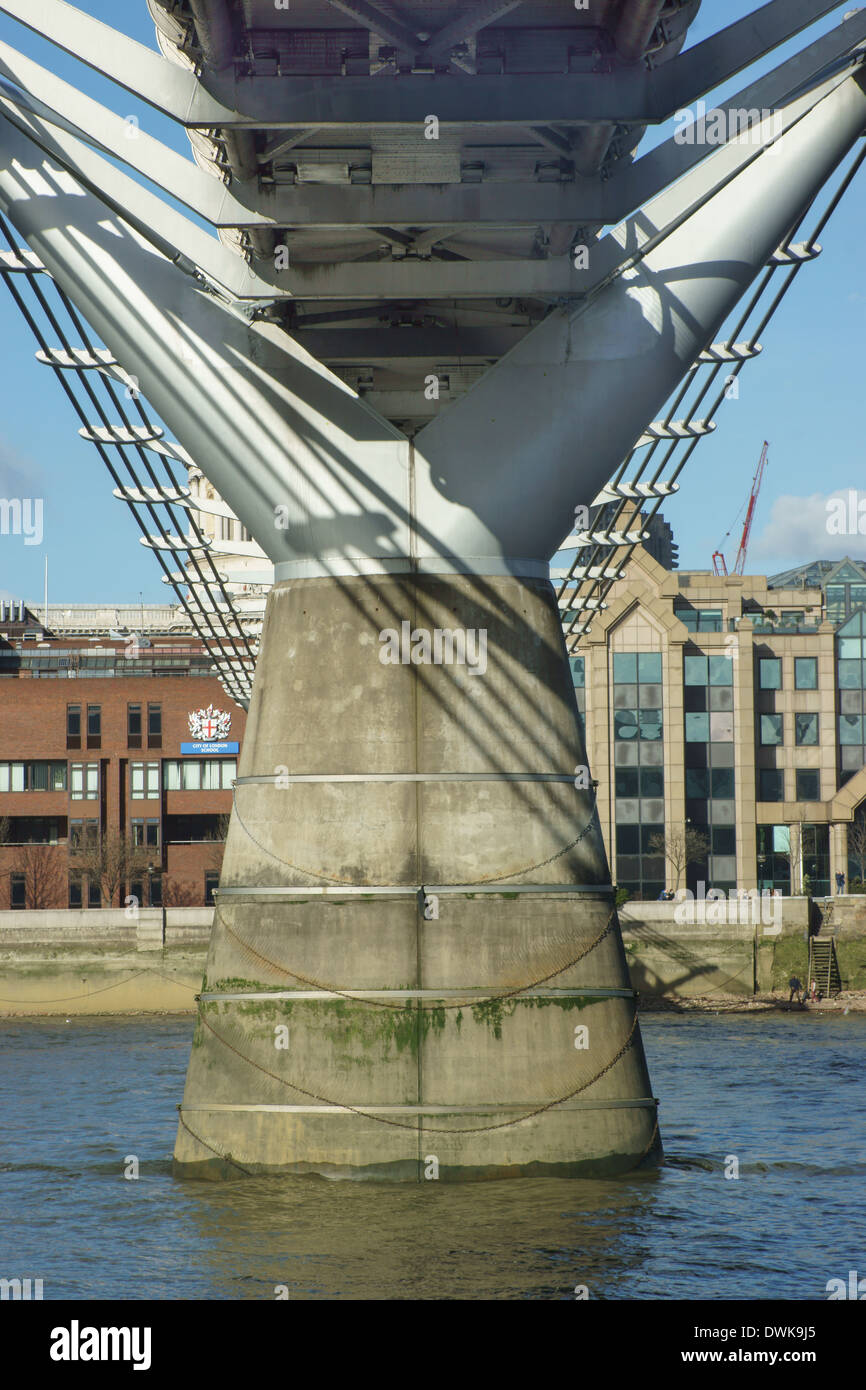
x=96, y=745
x=734, y=705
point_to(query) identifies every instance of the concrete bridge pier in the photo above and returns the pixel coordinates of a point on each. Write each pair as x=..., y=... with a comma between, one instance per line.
x=416, y=968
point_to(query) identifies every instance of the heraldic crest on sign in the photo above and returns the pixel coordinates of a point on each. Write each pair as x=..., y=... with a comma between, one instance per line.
x=209, y=723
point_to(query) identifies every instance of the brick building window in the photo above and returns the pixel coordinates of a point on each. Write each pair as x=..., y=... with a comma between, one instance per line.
x=133, y=726
x=211, y=883
x=32, y=777
x=94, y=726
x=17, y=891
x=154, y=726
x=94, y=893
x=73, y=726
x=84, y=781
x=83, y=833
x=145, y=832
x=143, y=781
x=200, y=774
x=74, y=892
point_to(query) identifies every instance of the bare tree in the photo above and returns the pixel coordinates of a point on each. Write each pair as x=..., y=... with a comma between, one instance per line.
x=681, y=848
x=217, y=839
x=857, y=843
x=42, y=867
x=111, y=860
x=795, y=855
x=180, y=893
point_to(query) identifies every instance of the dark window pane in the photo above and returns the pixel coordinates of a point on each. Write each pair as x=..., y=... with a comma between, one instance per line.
x=650, y=724
x=722, y=785
x=649, y=667
x=696, y=669
x=806, y=728
x=770, y=673
x=697, y=728
x=850, y=677
x=625, y=723
x=805, y=673
x=721, y=670
x=771, y=784
x=652, y=781
x=697, y=782
x=625, y=668
x=772, y=729
x=627, y=839
x=626, y=781
x=808, y=784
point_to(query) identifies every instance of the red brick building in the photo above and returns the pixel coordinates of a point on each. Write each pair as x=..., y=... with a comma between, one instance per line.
x=97, y=749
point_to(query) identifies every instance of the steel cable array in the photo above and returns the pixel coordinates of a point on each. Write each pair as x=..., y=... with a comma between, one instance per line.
x=90, y=388
x=598, y=563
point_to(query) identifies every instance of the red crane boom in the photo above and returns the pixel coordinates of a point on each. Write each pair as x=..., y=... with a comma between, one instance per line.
x=719, y=563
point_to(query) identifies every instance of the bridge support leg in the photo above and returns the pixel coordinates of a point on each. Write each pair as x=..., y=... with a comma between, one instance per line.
x=416, y=968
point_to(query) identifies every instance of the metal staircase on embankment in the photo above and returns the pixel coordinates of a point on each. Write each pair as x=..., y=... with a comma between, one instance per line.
x=823, y=960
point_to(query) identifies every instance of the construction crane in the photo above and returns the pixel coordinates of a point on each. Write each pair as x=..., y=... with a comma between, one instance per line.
x=719, y=563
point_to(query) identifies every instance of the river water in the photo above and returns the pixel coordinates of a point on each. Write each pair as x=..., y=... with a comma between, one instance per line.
x=784, y=1094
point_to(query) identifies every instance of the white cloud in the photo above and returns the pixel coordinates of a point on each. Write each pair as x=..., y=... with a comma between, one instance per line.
x=797, y=531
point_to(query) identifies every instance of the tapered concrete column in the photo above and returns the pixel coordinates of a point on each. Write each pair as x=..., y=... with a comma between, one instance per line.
x=354, y=1025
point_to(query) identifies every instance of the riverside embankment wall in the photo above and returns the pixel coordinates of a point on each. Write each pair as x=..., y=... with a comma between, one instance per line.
x=100, y=961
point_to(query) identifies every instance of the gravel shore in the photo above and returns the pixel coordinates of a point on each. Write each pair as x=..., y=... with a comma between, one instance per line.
x=849, y=1001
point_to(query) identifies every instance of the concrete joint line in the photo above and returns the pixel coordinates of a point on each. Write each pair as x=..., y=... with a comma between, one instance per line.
x=481, y=566
x=412, y=890
x=280, y=779
x=479, y=994
x=483, y=1108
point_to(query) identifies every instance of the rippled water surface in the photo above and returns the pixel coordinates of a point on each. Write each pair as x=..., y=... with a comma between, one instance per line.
x=784, y=1093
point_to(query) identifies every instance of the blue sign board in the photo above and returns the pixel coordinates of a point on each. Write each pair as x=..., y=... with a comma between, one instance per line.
x=205, y=747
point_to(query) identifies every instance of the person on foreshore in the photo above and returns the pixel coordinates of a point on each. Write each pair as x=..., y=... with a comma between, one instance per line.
x=840, y=882
x=796, y=987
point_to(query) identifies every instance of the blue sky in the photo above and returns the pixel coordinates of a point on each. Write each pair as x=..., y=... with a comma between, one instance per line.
x=804, y=395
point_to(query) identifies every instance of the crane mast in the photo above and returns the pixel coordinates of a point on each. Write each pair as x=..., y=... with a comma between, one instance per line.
x=720, y=566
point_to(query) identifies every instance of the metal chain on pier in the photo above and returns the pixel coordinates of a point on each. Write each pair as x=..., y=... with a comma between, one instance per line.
x=382, y=1004
x=492, y=878
x=433, y=1129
